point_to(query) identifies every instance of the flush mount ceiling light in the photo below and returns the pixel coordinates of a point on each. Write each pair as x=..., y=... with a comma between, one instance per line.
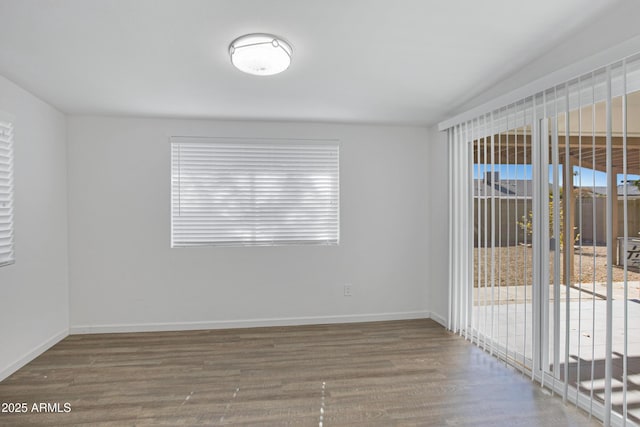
x=260, y=54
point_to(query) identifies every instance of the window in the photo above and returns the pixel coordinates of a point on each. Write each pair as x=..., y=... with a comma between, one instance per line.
x=254, y=192
x=6, y=191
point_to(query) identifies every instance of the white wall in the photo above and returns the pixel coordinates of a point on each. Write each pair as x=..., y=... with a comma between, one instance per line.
x=438, y=220
x=34, y=298
x=124, y=276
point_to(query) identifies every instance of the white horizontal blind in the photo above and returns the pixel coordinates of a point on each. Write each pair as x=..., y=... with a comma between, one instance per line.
x=6, y=192
x=254, y=192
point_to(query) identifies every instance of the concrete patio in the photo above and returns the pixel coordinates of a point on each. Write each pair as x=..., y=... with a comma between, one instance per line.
x=587, y=322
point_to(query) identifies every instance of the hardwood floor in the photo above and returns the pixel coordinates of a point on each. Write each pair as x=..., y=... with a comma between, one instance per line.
x=366, y=374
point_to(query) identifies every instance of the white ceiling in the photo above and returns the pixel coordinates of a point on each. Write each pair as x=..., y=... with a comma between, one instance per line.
x=402, y=61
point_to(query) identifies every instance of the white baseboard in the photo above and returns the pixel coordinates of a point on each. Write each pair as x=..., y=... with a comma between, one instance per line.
x=246, y=323
x=37, y=351
x=440, y=319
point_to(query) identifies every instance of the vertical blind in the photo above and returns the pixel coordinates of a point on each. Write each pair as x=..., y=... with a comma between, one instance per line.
x=544, y=258
x=254, y=192
x=6, y=192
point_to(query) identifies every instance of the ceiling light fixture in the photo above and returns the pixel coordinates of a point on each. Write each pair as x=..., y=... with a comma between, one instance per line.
x=260, y=54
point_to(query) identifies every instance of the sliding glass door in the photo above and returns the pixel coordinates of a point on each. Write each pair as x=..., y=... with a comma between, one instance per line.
x=545, y=238
x=592, y=345
x=501, y=313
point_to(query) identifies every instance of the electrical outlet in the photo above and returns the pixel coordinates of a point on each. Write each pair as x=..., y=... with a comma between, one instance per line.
x=348, y=291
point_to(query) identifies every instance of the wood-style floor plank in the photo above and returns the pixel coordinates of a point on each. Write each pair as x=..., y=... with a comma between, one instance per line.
x=400, y=373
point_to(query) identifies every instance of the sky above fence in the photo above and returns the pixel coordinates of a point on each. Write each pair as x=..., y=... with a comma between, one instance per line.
x=582, y=177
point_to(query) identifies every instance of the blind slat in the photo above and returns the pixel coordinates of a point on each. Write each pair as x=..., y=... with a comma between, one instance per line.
x=6, y=193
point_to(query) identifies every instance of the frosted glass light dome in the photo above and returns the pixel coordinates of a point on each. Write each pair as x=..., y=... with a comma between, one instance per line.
x=260, y=54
